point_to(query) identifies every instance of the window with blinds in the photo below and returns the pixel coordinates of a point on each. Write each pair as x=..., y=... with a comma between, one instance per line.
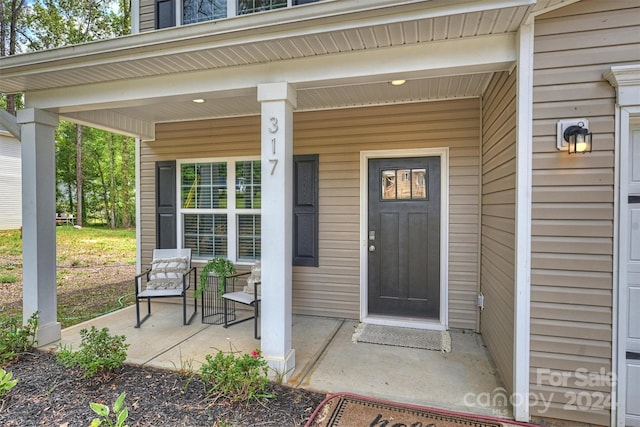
x=220, y=208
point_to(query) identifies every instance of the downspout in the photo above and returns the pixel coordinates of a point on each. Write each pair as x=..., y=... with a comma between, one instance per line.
x=524, y=154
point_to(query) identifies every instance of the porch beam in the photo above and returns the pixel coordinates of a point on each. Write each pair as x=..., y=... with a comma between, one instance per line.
x=114, y=122
x=442, y=58
x=277, y=103
x=10, y=123
x=38, y=225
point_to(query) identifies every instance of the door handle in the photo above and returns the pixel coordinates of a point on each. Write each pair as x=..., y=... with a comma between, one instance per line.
x=372, y=248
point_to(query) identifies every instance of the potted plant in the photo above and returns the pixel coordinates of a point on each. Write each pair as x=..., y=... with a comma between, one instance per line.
x=221, y=268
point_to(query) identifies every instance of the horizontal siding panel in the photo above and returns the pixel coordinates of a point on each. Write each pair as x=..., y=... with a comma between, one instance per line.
x=580, y=91
x=569, y=362
x=597, y=55
x=562, y=109
x=572, y=177
x=607, y=37
x=571, y=329
x=581, y=245
x=597, y=211
x=571, y=262
x=571, y=312
x=578, y=347
x=572, y=279
x=571, y=228
x=559, y=411
x=608, y=17
x=568, y=75
x=575, y=194
x=585, y=296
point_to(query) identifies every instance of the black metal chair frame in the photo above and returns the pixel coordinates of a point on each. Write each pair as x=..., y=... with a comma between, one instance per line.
x=150, y=294
x=242, y=298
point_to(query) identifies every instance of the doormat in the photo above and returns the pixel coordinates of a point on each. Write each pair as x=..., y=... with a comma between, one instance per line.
x=402, y=337
x=351, y=410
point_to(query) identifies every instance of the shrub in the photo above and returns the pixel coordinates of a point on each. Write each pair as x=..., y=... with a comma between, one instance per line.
x=236, y=377
x=99, y=352
x=6, y=382
x=119, y=410
x=8, y=278
x=16, y=338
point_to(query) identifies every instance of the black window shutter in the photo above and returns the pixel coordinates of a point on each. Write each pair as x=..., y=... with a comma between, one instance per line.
x=165, y=13
x=166, y=233
x=305, y=210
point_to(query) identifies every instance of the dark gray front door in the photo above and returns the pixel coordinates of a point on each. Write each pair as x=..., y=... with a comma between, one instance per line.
x=404, y=237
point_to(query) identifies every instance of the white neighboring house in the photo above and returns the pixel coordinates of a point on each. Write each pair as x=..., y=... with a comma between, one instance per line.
x=10, y=182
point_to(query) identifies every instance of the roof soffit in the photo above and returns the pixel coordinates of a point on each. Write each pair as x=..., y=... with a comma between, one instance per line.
x=221, y=44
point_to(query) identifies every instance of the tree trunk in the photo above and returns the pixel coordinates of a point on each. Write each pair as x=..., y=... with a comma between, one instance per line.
x=14, y=13
x=126, y=220
x=112, y=183
x=105, y=193
x=79, y=217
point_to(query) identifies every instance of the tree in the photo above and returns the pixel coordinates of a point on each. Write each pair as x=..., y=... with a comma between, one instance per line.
x=11, y=21
x=55, y=23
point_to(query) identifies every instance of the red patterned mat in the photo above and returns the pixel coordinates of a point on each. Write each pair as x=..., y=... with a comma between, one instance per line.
x=349, y=410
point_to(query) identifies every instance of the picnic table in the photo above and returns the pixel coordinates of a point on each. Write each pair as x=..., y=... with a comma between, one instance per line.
x=64, y=219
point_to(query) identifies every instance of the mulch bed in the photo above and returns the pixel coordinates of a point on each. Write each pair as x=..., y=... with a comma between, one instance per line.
x=48, y=394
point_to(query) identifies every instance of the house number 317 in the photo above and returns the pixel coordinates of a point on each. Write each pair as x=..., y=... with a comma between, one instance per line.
x=273, y=129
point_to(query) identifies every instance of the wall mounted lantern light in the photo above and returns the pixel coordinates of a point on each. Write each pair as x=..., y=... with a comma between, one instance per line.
x=574, y=136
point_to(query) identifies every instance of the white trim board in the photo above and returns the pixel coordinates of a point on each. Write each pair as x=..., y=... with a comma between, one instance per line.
x=522, y=273
x=443, y=322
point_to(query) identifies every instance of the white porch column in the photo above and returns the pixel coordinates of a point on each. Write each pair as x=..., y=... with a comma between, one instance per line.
x=278, y=101
x=38, y=221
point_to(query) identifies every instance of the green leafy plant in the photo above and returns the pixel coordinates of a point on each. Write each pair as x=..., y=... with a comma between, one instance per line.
x=16, y=338
x=99, y=352
x=119, y=410
x=8, y=278
x=236, y=377
x=221, y=267
x=6, y=382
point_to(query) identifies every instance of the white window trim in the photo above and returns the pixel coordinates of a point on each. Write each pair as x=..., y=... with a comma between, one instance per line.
x=626, y=80
x=232, y=10
x=231, y=210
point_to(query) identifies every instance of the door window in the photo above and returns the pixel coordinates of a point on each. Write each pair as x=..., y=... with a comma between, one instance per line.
x=404, y=184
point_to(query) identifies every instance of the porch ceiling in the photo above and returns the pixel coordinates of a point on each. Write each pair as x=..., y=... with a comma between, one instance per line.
x=324, y=29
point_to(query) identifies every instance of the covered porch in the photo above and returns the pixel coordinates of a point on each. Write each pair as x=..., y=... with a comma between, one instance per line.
x=327, y=360
x=239, y=88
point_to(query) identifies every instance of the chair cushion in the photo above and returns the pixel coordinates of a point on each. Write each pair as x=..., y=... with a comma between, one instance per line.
x=167, y=273
x=254, y=280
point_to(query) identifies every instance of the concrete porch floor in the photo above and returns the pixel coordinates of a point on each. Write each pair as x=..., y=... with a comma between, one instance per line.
x=326, y=358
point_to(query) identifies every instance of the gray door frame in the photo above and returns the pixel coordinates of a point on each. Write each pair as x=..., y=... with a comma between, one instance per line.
x=443, y=321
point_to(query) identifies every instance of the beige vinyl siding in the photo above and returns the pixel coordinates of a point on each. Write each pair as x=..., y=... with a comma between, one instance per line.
x=338, y=136
x=10, y=182
x=147, y=15
x=498, y=221
x=572, y=211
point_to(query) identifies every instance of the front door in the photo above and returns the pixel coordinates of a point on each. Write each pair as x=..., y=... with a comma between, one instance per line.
x=404, y=237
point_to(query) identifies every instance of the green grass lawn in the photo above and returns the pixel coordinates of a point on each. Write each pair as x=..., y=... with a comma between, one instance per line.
x=95, y=269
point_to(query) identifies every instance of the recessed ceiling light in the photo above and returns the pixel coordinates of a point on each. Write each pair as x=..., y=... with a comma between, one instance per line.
x=398, y=82
x=199, y=101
